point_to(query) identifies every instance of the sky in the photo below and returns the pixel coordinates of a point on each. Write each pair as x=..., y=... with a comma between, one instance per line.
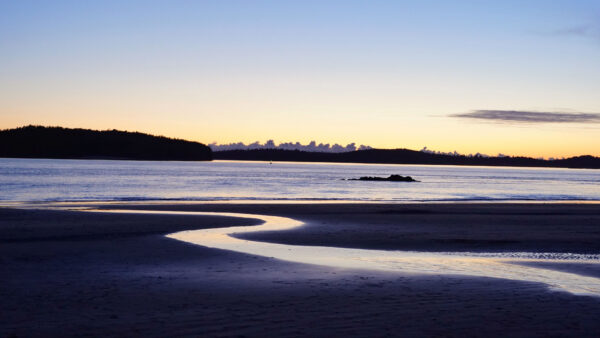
x=512, y=77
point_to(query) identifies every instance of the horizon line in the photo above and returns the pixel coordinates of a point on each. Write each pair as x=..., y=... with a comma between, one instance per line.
x=331, y=147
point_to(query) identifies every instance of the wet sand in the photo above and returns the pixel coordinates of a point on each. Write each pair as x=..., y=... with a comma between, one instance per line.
x=79, y=273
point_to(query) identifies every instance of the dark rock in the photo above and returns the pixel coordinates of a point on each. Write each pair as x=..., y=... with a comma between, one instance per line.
x=392, y=178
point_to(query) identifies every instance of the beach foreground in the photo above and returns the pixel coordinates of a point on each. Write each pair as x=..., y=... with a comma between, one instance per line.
x=81, y=273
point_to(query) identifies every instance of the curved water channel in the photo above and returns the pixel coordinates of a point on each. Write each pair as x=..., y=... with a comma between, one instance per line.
x=496, y=265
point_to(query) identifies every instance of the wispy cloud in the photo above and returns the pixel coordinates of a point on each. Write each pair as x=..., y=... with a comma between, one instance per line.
x=521, y=116
x=581, y=30
x=588, y=30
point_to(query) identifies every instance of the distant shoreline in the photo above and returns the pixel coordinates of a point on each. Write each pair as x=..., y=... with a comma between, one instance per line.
x=217, y=159
x=404, y=156
x=99, y=158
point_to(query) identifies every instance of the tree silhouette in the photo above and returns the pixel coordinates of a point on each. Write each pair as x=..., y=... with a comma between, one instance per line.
x=58, y=142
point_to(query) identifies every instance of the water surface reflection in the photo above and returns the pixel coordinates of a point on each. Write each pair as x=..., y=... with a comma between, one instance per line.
x=496, y=265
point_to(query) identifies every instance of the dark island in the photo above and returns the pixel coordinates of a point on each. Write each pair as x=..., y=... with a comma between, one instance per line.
x=57, y=142
x=404, y=156
x=391, y=178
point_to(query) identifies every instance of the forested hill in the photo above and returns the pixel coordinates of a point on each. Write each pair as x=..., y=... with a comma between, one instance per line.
x=402, y=156
x=57, y=142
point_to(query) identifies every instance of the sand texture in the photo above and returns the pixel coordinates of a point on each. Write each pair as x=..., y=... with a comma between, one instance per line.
x=73, y=273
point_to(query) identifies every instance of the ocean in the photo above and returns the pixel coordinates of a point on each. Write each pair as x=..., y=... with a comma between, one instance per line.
x=45, y=180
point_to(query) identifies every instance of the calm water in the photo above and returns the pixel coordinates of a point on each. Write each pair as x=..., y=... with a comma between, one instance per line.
x=496, y=265
x=91, y=180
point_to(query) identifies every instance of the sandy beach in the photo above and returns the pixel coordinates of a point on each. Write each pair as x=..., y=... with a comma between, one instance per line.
x=76, y=273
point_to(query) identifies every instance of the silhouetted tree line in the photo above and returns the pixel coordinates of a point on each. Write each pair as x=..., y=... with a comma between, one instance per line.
x=403, y=156
x=57, y=142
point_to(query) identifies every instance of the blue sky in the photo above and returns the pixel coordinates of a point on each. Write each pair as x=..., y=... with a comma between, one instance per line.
x=383, y=73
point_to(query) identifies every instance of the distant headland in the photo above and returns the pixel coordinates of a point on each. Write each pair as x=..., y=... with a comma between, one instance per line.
x=404, y=156
x=58, y=142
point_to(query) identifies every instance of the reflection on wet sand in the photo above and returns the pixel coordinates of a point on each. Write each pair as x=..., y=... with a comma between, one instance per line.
x=495, y=265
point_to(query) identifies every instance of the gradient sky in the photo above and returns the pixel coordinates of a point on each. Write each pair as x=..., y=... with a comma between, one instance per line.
x=390, y=74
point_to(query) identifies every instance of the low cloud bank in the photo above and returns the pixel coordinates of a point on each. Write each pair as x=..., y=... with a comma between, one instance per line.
x=521, y=116
x=270, y=144
x=456, y=153
x=480, y=155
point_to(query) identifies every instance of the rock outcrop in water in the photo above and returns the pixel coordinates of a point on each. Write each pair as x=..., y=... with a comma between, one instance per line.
x=57, y=142
x=391, y=178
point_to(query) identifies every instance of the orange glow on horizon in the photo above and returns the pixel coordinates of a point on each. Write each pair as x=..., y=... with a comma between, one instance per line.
x=533, y=145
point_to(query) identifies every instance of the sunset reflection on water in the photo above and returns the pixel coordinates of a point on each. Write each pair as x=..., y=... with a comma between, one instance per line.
x=494, y=265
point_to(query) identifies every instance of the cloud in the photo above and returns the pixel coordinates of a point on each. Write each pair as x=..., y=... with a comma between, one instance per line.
x=587, y=31
x=270, y=144
x=581, y=30
x=520, y=116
